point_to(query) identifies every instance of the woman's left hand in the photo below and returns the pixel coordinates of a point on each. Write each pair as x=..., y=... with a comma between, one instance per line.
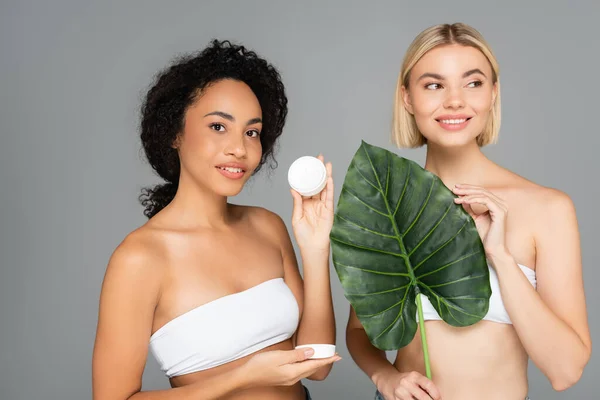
x=312, y=217
x=491, y=224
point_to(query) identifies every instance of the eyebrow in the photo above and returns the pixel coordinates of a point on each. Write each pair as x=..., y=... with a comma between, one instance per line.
x=440, y=77
x=473, y=71
x=231, y=118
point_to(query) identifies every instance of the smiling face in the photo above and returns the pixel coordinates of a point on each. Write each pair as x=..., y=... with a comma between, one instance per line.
x=220, y=145
x=451, y=94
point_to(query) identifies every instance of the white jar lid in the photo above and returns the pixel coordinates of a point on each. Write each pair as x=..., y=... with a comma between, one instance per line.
x=307, y=175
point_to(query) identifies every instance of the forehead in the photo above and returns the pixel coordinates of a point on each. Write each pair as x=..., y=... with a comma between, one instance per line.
x=452, y=60
x=230, y=96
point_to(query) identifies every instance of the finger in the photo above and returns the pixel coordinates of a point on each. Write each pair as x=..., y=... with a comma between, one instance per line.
x=493, y=207
x=329, y=195
x=402, y=394
x=297, y=210
x=481, y=196
x=460, y=190
x=468, y=186
x=309, y=367
x=298, y=355
x=429, y=387
x=475, y=210
x=329, y=169
x=417, y=392
x=475, y=198
x=320, y=157
x=468, y=209
x=324, y=192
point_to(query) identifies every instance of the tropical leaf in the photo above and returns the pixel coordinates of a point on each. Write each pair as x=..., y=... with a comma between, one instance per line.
x=397, y=232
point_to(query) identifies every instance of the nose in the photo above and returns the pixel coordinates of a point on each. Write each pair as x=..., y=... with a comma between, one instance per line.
x=236, y=146
x=454, y=99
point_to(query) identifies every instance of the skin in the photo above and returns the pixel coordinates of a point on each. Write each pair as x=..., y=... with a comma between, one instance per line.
x=200, y=248
x=519, y=222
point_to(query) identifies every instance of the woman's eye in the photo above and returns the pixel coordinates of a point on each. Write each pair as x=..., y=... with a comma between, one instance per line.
x=218, y=127
x=475, y=84
x=433, y=86
x=253, y=133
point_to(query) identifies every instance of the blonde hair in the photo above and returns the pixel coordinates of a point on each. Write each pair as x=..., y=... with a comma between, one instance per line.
x=405, y=132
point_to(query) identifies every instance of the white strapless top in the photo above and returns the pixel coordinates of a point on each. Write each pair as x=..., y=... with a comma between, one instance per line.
x=226, y=329
x=496, y=312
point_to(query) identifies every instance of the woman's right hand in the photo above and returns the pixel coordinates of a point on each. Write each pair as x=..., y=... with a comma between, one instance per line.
x=407, y=386
x=283, y=367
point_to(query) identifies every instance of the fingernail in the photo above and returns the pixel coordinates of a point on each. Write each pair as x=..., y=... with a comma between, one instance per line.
x=309, y=352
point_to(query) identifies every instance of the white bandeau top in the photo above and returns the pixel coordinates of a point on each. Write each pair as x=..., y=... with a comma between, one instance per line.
x=496, y=312
x=226, y=329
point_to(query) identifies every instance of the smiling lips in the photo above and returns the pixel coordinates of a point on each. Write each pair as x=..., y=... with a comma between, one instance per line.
x=453, y=122
x=232, y=170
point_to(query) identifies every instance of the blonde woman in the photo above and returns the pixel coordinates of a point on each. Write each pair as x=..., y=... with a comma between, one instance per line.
x=448, y=98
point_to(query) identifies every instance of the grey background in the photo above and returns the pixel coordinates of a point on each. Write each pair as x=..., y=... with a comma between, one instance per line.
x=72, y=74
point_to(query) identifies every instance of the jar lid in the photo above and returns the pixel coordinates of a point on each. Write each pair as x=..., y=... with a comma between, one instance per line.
x=307, y=174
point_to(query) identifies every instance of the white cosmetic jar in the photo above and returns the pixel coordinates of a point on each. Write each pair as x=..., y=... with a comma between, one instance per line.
x=307, y=175
x=321, y=350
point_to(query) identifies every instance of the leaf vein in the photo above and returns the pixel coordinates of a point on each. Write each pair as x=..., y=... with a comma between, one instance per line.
x=366, y=229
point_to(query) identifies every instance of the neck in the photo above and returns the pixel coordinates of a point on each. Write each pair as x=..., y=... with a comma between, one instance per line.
x=196, y=206
x=466, y=164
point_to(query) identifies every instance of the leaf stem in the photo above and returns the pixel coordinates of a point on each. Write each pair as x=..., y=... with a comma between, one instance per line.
x=423, y=336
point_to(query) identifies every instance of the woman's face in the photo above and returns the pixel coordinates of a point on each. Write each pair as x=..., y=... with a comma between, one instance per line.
x=451, y=95
x=220, y=144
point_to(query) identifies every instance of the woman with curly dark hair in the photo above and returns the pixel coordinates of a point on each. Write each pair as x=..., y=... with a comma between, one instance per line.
x=212, y=287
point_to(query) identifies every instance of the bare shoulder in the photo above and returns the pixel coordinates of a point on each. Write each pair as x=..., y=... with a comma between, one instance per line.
x=533, y=195
x=266, y=222
x=260, y=216
x=138, y=258
x=535, y=202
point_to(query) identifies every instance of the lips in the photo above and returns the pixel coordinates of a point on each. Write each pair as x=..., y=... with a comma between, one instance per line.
x=453, y=119
x=453, y=122
x=232, y=170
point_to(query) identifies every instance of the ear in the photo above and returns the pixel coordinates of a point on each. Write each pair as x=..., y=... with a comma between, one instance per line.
x=494, y=94
x=406, y=100
x=177, y=142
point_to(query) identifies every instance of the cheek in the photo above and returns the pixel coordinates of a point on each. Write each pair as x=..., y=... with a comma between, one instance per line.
x=196, y=146
x=424, y=104
x=255, y=151
x=481, y=102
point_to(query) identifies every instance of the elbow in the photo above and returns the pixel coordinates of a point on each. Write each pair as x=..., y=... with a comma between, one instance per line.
x=569, y=375
x=566, y=381
x=321, y=374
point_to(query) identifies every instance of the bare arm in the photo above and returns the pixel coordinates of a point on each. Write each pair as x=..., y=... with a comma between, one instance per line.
x=388, y=380
x=313, y=294
x=552, y=322
x=312, y=219
x=369, y=358
x=130, y=293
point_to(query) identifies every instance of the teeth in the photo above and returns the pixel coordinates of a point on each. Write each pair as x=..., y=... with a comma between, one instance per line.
x=231, y=169
x=453, y=121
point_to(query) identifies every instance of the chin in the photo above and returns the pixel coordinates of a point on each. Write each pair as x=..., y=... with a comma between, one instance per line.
x=452, y=139
x=229, y=191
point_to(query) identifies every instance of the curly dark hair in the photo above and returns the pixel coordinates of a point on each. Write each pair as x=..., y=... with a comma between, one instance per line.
x=177, y=87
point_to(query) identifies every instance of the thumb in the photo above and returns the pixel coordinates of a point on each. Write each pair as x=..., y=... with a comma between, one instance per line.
x=297, y=211
x=298, y=355
x=469, y=210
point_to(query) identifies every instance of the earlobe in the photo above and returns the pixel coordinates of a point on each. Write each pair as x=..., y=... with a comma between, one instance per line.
x=406, y=100
x=176, y=143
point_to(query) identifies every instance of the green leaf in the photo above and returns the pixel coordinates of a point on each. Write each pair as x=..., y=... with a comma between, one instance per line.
x=397, y=232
